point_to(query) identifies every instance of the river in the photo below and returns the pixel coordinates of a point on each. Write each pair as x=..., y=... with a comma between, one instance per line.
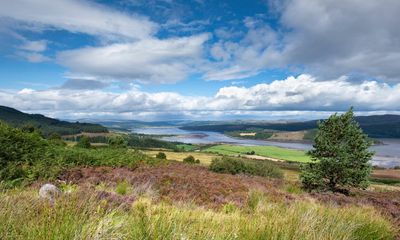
x=386, y=154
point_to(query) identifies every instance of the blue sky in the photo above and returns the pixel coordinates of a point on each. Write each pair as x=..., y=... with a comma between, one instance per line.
x=200, y=59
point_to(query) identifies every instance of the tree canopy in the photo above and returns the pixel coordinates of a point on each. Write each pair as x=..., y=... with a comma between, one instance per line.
x=340, y=155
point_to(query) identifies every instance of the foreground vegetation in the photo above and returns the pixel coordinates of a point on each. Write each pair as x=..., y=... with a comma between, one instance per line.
x=265, y=151
x=27, y=156
x=116, y=192
x=82, y=216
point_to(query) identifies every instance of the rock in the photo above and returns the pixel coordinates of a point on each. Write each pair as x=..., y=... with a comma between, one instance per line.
x=49, y=192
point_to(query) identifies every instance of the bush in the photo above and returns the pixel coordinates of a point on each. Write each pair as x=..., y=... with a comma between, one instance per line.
x=117, y=142
x=161, y=155
x=26, y=156
x=250, y=167
x=19, y=152
x=83, y=142
x=189, y=159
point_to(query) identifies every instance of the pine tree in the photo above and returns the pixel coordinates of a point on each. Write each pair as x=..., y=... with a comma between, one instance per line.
x=340, y=155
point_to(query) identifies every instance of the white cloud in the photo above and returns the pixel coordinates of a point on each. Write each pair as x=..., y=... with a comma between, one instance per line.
x=333, y=38
x=147, y=60
x=33, y=57
x=254, y=52
x=290, y=95
x=34, y=46
x=77, y=16
x=327, y=38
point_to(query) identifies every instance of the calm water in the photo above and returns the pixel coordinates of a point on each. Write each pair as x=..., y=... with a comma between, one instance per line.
x=386, y=155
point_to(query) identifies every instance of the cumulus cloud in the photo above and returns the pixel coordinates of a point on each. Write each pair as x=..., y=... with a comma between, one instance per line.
x=147, y=60
x=327, y=38
x=299, y=94
x=77, y=16
x=334, y=38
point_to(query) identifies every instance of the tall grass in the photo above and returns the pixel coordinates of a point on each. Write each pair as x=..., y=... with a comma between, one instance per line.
x=81, y=216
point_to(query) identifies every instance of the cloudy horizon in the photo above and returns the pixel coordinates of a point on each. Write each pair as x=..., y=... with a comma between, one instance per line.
x=199, y=60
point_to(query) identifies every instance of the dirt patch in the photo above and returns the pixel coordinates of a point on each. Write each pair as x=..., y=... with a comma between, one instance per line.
x=181, y=182
x=295, y=135
x=386, y=173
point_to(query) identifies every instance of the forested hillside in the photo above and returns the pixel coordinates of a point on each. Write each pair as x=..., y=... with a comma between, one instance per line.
x=45, y=124
x=377, y=126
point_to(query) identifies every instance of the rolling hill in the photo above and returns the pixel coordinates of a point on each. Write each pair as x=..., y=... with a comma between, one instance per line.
x=45, y=124
x=376, y=126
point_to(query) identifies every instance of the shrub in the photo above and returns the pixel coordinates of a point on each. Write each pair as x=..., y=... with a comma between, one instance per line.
x=83, y=142
x=27, y=156
x=250, y=167
x=161, y=155
x=117, y=142
x=340, y=156
x=251, y=153
x=19, y=152
x=189, y=159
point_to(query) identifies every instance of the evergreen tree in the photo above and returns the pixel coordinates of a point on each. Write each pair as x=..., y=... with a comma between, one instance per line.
x=340, y=155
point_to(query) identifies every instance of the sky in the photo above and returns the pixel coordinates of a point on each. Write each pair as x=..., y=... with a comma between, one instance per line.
x=199, y=59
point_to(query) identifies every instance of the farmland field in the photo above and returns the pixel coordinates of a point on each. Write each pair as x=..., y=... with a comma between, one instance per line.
x=265, y=151
x=205, y=158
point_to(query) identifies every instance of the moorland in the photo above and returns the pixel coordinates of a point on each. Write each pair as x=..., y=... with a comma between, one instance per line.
x=119, y=185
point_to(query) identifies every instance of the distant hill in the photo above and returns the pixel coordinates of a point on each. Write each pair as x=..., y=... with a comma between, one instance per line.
x=45, y=124
x=376, y=126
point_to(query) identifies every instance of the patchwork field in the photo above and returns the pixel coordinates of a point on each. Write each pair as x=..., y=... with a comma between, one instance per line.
x=265, y=151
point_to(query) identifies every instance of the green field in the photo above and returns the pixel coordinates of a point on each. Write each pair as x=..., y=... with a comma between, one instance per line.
x=265, y=151
x=186, y=147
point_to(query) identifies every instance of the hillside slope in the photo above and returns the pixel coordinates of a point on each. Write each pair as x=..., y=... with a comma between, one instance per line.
x=377, y=126
x=46, y=125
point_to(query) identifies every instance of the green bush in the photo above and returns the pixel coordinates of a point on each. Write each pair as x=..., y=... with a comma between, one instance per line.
x=26, y=156
x=161, y=155
x=189, y=159
x=117, y=141
x=84, y=142
x=19, y=152
x=250, y=167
